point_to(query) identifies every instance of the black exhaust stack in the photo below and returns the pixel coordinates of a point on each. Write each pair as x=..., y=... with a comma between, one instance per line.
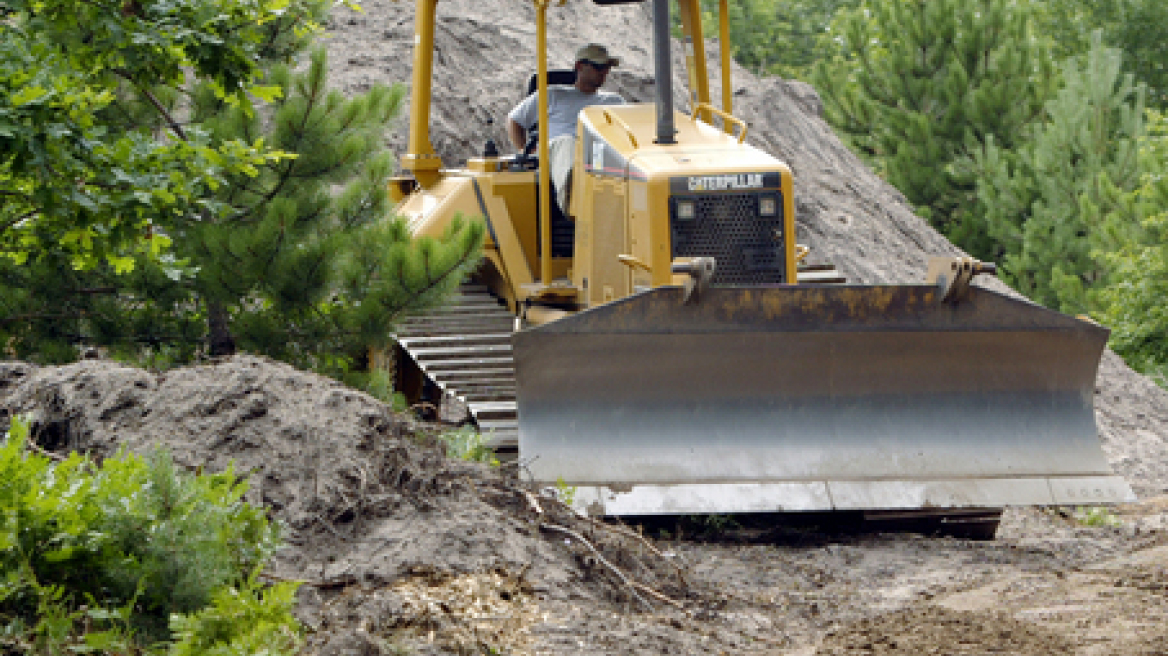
x=663, y=70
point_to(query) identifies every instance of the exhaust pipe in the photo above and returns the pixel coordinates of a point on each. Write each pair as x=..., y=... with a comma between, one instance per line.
x=663, y=70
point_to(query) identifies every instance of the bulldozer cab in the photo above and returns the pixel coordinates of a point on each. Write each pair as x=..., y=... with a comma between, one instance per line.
x=678, y=358
x=422, y=167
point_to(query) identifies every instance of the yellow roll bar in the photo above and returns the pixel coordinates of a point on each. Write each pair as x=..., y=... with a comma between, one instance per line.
x=420, y=158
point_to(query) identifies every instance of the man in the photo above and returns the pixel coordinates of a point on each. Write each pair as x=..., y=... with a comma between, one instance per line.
x=564, y=105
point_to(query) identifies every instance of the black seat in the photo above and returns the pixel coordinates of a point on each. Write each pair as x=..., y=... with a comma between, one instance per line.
x=554, y=77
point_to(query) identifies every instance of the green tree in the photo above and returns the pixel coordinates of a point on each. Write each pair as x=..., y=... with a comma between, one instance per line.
x=68, y=182
x=923, y=84
x=1045, y=200
x=1132, y=303
x=776, y=37
x=291, y=252
x=1138, y=27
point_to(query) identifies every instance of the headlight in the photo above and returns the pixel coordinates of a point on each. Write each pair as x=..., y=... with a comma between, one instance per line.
x=768, y=206
x=685, y=210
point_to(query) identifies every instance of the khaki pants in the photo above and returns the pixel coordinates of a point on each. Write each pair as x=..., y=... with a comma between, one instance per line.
x=561, y=150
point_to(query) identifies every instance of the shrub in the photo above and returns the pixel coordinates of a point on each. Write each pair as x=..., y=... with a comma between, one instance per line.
x=94, y=558
x=466, y=443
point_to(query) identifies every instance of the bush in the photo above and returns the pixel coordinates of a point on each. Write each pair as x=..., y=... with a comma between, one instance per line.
x=114, y=557
x=466, y=443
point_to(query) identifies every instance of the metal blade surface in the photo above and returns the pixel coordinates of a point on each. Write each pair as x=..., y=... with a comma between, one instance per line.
x=828, y=397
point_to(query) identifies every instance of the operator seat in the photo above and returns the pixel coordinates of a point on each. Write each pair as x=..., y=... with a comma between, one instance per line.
x=554, y=77
x=563, y=228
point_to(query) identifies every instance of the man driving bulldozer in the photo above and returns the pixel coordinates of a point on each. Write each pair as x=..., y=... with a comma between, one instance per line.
x=564, y=104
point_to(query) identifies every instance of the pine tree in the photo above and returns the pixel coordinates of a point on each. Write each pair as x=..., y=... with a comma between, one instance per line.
x=923, y=84
x=303, y=258
x=1131, y=303
x=1045, y=203
x=298, y=256
x=295, y=256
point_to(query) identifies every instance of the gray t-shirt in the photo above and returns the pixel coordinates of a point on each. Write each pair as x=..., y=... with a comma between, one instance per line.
x=564, y=105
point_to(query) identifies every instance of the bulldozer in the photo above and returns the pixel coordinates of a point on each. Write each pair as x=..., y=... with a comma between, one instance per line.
x=664, y=348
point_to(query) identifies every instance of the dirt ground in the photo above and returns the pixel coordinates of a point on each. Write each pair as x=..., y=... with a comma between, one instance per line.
x=405, y=551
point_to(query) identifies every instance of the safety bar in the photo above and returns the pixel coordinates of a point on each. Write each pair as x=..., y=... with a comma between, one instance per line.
x=726, y=116
x=619, y=122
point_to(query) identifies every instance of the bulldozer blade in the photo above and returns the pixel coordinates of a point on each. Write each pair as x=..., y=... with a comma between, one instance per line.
x=793, y=398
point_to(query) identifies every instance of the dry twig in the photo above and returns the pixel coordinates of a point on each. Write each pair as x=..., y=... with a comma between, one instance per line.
x=600, y=557
x=532, y=501
x=616, y=528
x=657, y=595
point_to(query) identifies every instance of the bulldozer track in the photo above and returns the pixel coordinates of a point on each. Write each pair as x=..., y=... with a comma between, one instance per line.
x=464, y=348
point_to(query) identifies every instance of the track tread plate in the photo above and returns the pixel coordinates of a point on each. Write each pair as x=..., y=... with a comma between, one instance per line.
x=465, y=349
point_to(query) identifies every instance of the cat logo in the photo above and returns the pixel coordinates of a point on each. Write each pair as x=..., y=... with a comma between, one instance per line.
x=724, y=182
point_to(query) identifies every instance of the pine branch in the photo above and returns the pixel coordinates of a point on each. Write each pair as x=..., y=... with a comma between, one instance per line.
x=433, y=282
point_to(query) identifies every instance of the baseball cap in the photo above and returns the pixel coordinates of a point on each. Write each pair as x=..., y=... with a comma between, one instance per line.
x=596, y=54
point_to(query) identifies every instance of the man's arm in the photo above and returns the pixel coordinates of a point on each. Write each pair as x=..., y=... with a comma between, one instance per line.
x=517, y=134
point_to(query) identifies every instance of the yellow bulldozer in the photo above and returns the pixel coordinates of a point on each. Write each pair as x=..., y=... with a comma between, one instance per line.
x=661, y=347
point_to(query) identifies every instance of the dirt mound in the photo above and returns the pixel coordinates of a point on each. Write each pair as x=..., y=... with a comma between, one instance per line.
x=368, y=498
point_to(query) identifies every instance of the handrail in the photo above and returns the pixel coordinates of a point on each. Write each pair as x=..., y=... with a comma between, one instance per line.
x=545, y=185
x=726, y=116
x=620, y=122
x=634, y=262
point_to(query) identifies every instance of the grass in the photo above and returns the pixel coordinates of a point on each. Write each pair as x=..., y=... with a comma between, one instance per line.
x=1096, y=516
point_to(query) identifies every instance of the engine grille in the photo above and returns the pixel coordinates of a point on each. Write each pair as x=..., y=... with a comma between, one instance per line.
x=748, y=248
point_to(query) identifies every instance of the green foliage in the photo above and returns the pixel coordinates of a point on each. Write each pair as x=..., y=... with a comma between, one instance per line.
x=307, y=260
x=243, y=621
x=107, y=556
x=70, y=183
x=1138, y=27
x=272, y=234
x=1045, y=200
x=466, y=443
x=776, y=37
x=709, y=526
x=378, y=383
x=565, y=493
x=1096, y=516
x=1132, y=304
x=920, y=85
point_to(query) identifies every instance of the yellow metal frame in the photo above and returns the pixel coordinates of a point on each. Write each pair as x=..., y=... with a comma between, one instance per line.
x=728, y=119
x=695, y=58
x=424, y=165
x=545, y=185
x=420, y=158
x=724, y=37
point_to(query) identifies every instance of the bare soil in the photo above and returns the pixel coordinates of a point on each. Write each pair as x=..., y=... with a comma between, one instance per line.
x=405, y=551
